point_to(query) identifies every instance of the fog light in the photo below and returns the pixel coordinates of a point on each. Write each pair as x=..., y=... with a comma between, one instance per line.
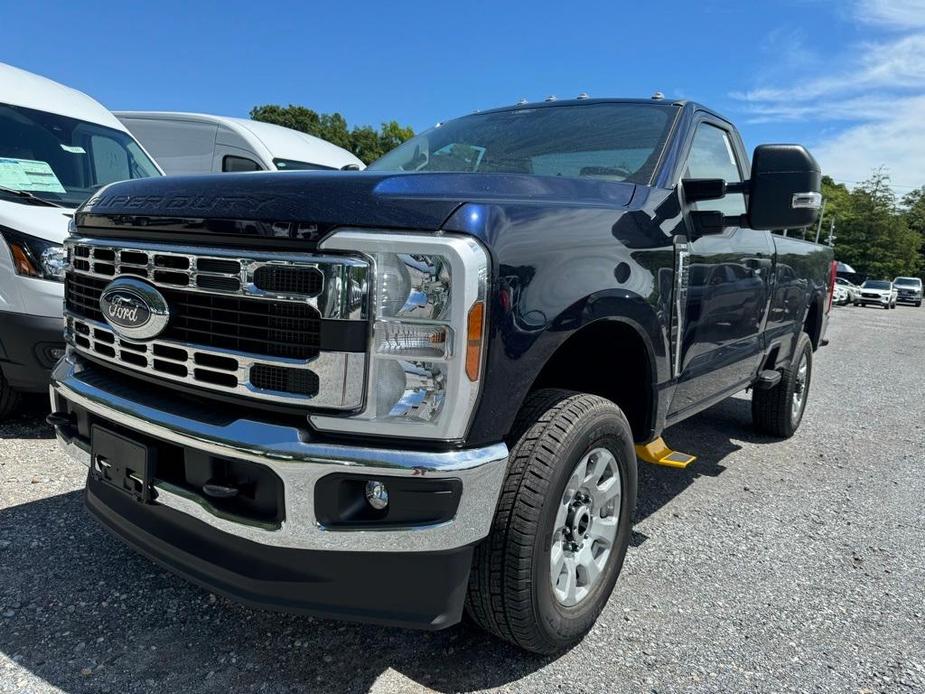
x=377, y=495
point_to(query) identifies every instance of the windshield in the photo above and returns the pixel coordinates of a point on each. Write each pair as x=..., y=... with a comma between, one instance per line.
x=908, y=281
x=62, y=159
x=614, y=141
x=876, y=284
x=294, y=165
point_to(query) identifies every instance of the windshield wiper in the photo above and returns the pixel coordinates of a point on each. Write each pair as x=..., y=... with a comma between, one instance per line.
x=31, y=197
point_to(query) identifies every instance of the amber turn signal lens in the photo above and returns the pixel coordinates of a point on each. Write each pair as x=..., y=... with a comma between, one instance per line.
x=22, y=262
x=474, y=329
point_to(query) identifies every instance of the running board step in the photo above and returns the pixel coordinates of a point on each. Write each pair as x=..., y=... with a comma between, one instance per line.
x=658, y=453
x=767, y=379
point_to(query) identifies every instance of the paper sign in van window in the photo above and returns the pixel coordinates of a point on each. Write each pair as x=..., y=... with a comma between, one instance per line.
x=29, y=174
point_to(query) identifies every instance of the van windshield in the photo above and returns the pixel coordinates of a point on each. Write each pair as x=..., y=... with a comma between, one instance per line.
x=62, y=159
x=908, y=281
x=611, y=140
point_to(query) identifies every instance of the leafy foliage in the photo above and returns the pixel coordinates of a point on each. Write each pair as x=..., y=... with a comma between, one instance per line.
x=874, y=234
x=364, y=141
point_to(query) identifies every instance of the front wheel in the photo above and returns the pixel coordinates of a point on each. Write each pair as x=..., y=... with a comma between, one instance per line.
x=562, y=524
x=779, y=410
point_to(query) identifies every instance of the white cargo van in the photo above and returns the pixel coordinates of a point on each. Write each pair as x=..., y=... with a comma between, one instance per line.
x=57, y=147
x=198, y=143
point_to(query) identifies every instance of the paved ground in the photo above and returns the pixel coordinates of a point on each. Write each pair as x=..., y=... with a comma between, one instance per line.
x=794, y=566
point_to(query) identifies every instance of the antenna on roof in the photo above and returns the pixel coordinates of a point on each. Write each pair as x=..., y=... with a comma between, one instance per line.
x=658, y=96
x=583, y=95
x=550, y=98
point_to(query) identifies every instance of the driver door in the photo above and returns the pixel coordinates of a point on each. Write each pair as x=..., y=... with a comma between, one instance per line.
x=727, y=294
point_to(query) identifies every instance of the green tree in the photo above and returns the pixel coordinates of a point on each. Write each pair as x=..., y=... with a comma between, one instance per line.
x=873, y=234
x=364, y=141
x=914, y=211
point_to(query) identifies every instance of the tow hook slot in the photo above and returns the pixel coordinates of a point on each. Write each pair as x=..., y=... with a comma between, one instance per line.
x=218, y=490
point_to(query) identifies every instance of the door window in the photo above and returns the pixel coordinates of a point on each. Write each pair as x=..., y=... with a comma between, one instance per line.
x=231, y=164
x=712, y=156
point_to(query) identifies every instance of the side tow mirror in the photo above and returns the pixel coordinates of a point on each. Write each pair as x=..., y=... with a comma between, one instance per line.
x=783, y=192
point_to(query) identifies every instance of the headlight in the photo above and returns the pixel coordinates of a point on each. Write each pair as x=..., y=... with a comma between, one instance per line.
x=428, y=333
x=35, y=257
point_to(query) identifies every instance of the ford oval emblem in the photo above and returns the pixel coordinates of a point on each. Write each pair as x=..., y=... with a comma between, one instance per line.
x=134, y=309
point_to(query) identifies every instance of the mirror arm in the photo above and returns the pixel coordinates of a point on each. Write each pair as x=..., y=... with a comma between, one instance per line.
x=739, y=187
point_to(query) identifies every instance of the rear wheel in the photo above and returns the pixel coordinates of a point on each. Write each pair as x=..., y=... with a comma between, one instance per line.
x=779, y=410
x=562, y=525
x=9, y=398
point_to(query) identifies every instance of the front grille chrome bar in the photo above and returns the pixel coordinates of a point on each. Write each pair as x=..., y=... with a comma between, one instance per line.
x=342, y=288
x=340, y=375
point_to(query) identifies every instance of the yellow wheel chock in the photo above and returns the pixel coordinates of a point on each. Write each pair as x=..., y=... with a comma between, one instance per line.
x=658, y=453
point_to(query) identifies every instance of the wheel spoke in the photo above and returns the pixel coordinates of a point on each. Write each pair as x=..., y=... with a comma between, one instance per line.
x=604, y=530
x=602, y=458
x=569, y=581
x=607, y=492
x=589, y=567
x=556, y=561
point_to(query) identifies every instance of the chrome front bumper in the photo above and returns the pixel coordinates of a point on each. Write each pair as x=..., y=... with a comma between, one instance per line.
x=299, y=463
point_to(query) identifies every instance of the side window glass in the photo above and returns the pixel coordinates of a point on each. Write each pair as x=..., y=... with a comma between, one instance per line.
x=110, y=160
x=712, y=156
x=236, y=164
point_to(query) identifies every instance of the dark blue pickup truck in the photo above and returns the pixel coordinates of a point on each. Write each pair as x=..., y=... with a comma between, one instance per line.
x=396, y=394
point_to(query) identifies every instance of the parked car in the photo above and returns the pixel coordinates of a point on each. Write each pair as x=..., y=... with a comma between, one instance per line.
x=877, y=293
x=842, y=296
x=199, y=143
x=57, y=147
x=851, y=290
x=908, y=290
x=390, y=395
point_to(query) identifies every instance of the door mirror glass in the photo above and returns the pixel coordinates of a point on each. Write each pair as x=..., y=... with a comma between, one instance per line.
x=784, y=188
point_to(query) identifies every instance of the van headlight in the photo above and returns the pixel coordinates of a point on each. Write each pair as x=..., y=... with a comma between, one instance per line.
x=425, y=358
x=35, y=257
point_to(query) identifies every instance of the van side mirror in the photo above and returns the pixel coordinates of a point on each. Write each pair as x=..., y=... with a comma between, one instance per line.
x=783, y=192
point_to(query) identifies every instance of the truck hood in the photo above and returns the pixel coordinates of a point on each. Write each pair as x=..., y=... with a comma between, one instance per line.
x=419, y=201
x=47, y=223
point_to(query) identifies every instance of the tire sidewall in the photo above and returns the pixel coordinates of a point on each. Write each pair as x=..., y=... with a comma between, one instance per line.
x=606, y=428
x=804, y=350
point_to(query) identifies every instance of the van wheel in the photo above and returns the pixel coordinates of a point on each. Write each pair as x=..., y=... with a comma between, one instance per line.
x=779, y=410
x=9, y=398
x=562, y=525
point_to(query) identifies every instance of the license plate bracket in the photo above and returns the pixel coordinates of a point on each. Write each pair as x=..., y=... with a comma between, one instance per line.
x=123, y=463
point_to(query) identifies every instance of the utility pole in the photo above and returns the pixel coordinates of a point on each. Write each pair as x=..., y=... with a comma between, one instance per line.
x=821, y=215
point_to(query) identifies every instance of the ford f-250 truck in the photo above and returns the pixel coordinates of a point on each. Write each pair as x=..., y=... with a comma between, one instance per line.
x=394, y=395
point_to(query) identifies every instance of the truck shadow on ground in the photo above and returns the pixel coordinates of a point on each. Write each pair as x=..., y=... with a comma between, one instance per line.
x=85, y=613
x=28, y=421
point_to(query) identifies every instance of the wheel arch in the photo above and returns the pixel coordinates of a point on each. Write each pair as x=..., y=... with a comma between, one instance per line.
x=617, y=362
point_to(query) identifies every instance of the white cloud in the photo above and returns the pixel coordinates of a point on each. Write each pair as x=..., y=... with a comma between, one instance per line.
x=896, y=142
x=901, y=14
x=880, y=90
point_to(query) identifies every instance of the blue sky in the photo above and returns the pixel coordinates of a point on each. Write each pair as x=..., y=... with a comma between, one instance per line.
x=846, y=77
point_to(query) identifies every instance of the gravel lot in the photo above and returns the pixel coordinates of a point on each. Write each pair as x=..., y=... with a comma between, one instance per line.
x=768, y=566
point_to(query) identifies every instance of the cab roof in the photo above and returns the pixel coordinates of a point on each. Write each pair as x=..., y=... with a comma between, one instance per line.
x=28, y=90
x=679, y=103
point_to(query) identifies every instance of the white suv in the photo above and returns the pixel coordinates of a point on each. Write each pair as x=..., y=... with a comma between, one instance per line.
x=909, y=290
x=878, y=293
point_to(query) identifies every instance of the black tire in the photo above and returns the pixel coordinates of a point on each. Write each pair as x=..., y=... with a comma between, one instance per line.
x=918, y=304
x=510, y=592
x=9, y=398
x=772, y=409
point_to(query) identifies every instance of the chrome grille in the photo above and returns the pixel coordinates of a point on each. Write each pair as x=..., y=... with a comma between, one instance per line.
x=244, y=323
